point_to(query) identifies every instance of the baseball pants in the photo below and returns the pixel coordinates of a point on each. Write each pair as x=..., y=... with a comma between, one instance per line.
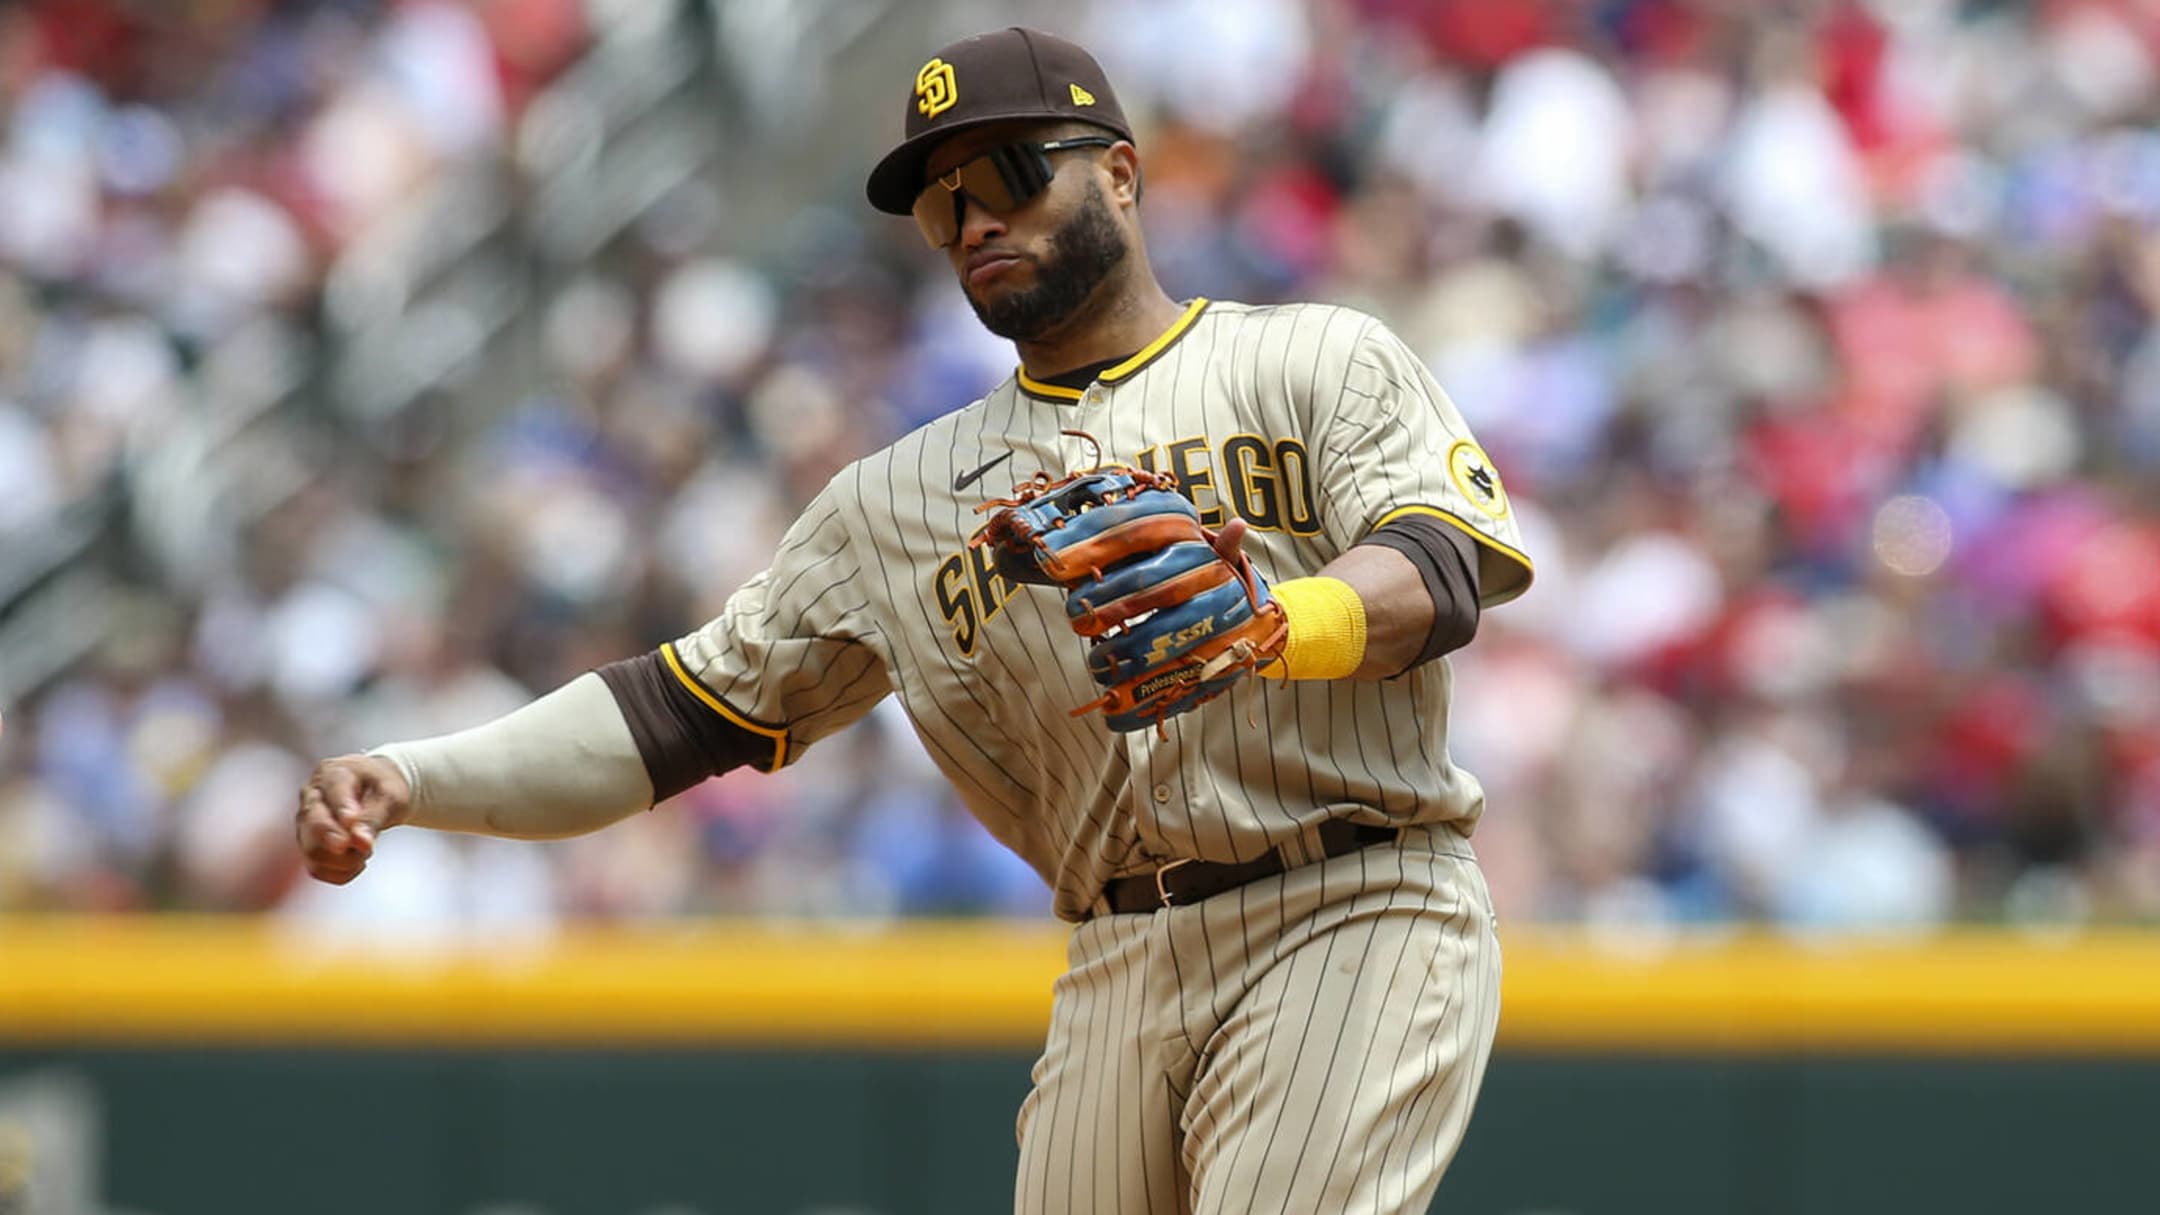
x=1308, y=1042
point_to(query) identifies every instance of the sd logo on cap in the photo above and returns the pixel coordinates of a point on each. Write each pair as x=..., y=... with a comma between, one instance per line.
x=934, y=91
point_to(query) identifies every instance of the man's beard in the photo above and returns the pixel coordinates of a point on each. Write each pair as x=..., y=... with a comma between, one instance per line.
x=1082, y=255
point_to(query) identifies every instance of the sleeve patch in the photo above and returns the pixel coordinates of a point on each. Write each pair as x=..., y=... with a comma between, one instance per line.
x=1474, y=475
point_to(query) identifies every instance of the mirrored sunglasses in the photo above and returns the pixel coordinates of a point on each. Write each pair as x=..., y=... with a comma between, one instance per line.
x=1002, y=179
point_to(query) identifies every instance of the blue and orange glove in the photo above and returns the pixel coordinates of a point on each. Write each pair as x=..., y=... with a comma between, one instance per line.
x=1174, y=612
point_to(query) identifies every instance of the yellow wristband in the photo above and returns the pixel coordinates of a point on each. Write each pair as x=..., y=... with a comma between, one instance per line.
x=1326, y=622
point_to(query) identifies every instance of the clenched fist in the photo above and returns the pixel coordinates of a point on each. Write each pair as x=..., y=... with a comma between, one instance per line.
x=343, y=807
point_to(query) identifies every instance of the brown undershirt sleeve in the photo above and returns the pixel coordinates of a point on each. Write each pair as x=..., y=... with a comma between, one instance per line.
x=680, y=738
x=1448, y=561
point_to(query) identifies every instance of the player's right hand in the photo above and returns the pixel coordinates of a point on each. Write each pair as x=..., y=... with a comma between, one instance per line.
x=346, y=803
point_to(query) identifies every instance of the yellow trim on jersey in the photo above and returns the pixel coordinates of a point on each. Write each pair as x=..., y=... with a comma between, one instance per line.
x=1058, y=392
x=778, y=735
x=1160, y=344
x=1516, y=555
x=1036, y=388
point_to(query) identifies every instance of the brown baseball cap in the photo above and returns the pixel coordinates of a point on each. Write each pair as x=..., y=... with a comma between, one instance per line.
x=1010, y=73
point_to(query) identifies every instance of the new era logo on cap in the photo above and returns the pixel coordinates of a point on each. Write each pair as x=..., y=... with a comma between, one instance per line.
x=1082, y=96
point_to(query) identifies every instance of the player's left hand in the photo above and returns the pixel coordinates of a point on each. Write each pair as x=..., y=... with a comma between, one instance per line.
x=1175, y=613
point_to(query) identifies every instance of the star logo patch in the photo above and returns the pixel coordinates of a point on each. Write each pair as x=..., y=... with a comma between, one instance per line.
x=1474, y=474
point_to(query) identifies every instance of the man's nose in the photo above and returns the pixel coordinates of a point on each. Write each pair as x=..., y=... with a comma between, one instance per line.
x=978, y=223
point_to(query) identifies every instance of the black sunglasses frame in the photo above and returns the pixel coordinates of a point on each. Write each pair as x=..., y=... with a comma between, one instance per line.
x=1019, y=170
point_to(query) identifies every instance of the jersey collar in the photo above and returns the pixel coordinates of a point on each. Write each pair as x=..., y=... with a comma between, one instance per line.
x=1147, y=354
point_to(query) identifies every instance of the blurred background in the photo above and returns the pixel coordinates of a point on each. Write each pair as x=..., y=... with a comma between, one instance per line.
x=368, y=367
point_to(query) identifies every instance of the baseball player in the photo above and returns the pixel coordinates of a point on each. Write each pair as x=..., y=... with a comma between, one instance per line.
x=1255, y=532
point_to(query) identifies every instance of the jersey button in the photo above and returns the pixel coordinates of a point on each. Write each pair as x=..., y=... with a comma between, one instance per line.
x=1095, y=395
x=1162, y=795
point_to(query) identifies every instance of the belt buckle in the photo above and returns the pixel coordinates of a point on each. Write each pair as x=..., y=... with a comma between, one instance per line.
x=1162, y=892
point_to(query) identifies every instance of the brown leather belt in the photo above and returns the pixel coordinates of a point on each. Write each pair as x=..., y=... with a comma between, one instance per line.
x=1182, y=882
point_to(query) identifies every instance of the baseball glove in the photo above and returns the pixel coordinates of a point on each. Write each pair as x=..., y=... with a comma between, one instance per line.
x=1173, y=612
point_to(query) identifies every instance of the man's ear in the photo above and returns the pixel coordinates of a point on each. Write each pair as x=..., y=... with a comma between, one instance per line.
x=1123, y=164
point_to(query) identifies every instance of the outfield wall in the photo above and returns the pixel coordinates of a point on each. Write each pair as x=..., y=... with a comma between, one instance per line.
x=188, y=1068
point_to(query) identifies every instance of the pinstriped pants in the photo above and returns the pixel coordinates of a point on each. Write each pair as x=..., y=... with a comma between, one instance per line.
x=1310, y=1042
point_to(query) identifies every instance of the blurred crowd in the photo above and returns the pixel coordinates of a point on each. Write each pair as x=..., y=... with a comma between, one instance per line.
x=1819, y=344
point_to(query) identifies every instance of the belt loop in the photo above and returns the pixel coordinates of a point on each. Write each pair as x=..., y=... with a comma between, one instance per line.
x=1304, y=848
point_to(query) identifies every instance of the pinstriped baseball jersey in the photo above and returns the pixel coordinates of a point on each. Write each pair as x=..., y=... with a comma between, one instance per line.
x=1312, y=422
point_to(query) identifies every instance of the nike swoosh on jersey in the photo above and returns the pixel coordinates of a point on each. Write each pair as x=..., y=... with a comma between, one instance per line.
x=964, y=480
